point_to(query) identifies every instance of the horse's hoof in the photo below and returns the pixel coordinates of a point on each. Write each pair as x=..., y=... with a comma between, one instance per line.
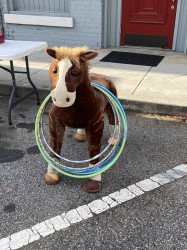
x=92, y=186
x=52, y=178
x=112, y=141
x=79, y=138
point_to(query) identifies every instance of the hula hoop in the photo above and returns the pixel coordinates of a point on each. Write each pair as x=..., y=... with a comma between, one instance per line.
x=104, y=164
x=66, y=168
x=76, y=161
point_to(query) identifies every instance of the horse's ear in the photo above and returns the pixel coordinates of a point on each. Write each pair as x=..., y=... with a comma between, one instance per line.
x=51, y=52
x=88, y=55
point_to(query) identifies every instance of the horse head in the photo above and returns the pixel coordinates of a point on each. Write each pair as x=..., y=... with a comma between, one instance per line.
x=68, y=70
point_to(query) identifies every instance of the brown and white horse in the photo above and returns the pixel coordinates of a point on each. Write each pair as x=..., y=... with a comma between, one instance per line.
x=77, y=104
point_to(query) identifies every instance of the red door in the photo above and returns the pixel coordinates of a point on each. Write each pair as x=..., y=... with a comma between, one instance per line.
x=148, y=22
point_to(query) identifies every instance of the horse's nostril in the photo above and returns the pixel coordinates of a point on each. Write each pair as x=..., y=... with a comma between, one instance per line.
x=54, y=99
x=67, y=99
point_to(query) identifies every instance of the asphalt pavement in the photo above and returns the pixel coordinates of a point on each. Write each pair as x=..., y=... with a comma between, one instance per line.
x=154, y=220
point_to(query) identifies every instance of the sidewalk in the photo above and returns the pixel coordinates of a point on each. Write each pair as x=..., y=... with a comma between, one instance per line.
x=160, y=89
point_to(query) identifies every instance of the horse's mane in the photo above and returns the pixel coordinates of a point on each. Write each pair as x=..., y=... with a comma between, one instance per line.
x=71, y=53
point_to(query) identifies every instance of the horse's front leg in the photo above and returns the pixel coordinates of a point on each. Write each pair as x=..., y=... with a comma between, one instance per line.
x=94, y=135
x=56, y=131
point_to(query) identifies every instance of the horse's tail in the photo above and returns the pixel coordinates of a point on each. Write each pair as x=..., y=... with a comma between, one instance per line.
x=112, y=88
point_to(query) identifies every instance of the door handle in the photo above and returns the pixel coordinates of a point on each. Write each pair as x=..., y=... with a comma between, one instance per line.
x=173, y=4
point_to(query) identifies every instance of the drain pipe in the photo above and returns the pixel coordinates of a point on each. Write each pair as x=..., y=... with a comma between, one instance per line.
x=185, y=47
x=176, y=29
x=1, y=18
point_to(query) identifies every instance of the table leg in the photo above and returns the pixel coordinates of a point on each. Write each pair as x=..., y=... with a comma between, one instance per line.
x=10, y=105
x=29, y=79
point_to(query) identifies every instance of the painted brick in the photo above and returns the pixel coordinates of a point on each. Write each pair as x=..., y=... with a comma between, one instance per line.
x=98, y=206
x=122, y=195
x=21, y=238
x=162, y=178
x=135, y=190
x=59, y=222
x=174, y=174
x=43, y=229
x=87, y=30
x=73, y=216
x=110, y=201
x=84, y=212
x=147, y=185
x=181, y=169
x=4, y=243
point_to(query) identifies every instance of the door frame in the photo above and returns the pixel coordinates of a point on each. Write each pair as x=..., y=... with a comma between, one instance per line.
x=175, y=24
x=108, y=31
x=177, y=29
x=117, y=32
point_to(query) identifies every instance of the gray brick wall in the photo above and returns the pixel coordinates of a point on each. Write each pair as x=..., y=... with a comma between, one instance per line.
x=87, y=30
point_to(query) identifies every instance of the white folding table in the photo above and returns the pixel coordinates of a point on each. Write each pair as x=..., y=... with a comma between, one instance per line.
x=12, y=50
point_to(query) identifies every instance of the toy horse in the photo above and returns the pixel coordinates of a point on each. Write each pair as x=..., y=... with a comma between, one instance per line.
x=77, y=104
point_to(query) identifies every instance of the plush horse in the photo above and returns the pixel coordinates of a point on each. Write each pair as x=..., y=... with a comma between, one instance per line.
x=77, y=104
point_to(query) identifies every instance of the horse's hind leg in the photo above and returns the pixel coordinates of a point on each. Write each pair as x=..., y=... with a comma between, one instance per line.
x=56, y=131
x=111, y=120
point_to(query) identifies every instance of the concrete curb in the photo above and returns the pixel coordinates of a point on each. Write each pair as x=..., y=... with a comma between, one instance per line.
x=129, y=105
x=153, y=108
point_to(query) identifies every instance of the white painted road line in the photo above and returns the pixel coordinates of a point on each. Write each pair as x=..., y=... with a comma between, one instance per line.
x=48, y=227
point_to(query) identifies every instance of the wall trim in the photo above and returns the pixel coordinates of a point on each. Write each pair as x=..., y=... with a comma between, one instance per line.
x=39, y=20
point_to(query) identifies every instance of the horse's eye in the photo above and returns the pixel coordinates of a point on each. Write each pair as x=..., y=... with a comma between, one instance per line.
x=74, y=73
x=55, y=71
